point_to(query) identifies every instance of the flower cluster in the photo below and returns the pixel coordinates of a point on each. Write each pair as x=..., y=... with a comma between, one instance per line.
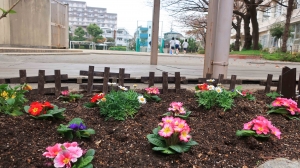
x=142, y=100
x=68, y=96
x=98, y=97
x=65, y=93
x=76, y=126
x=177, y=108
x=262, y=126
x=175, y=127
x=64, y=154
x=246, y=94
x=152, y=90
x=288, y=104
x=205, y=87
x=6, y=96
x=37, y=108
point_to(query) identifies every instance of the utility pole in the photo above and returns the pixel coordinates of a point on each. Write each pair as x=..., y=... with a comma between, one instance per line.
x=210, y=36
x=155, y=29
x=222, y=39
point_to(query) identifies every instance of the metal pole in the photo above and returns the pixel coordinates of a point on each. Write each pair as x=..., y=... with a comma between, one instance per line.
x=222, y=41
x=210, y=36
x=155, y=31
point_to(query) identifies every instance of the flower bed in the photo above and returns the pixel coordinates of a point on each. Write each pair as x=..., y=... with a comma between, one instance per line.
x=124, y=143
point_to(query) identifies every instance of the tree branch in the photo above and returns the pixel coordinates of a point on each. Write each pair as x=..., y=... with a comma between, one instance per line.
x=7, y=12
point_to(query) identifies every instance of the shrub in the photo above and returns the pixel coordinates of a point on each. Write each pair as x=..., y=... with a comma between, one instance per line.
x=201, y=51
x=118, y=48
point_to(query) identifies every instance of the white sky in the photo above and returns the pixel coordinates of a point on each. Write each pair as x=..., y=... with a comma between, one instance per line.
x=133, y=12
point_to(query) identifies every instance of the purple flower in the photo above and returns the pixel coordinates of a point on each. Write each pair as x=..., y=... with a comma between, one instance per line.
x=76, y=127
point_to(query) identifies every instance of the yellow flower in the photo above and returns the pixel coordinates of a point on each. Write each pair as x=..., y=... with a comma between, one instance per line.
x=27, y=87
x=13, y=96
x=4, y=94
x=103, y=99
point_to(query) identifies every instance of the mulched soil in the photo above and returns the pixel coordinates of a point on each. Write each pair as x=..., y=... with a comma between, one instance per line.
x=124, y=143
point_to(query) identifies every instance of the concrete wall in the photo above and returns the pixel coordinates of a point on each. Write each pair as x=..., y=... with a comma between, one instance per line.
x=4, y=24
x=31, y=25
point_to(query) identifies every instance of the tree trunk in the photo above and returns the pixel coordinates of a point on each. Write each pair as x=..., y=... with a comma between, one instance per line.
x=248, y=37
x=238, y=34
x=255, y=29
x=287, y=26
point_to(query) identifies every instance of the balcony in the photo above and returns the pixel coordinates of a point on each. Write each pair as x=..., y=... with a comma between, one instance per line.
x=143, y=29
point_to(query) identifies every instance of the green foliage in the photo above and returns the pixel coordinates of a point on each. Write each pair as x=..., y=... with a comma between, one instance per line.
x=273, y=95
x=90, y=105
x=12, y=99
x=246, y=133
x=79, y=32
x=161, y=145
x=10, y=12
x=95, y=31
x=81, y=132
x=201, y=51
x=52, y=113
x=120, y=105
x=109, y=39
x=118, y=48
x=211, y=98
x=85, y=161
x=150, y=98
x=276, y=30
x=185, y=116
x=193, y=46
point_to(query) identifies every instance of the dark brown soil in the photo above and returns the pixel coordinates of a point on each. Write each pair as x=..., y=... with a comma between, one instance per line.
x=124, y=143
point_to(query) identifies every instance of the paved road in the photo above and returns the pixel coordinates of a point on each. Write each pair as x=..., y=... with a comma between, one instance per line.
x=137, y=64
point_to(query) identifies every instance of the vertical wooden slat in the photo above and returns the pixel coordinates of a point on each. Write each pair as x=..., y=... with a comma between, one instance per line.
x=298, y=83
x=121, y=76
x=23, y=75
x=105, y=80
x=220, y=79
x=41, y=82
x=165, y=82
x=177, y=82
x=151, y=79
x=57, y=82
x=114, y=80
x=208, y=76
x=90, y=80
x=279, y=86
x=268, y=83
x=232, y=82
x=298, y=103
x=288, y=89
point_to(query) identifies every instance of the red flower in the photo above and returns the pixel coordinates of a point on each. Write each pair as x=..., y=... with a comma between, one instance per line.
x=203, y=86
x=96, y=97
x=47, y=105
x=35, y=108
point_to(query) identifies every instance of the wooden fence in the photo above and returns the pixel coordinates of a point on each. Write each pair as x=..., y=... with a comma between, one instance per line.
x=232, y=82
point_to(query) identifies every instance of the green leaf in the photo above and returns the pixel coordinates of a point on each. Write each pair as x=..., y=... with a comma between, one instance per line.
x=26, y=108
x=168, y=151
x=90, y=105
x=89, y=166
x=155, y=141
x=156, y=98
x=291, y=117
x=167, y=114
x=16, y=113
x=191, y=143
x=155, y=130
x=176, y=148
x=4, y=11
x=261, y=136
x=63, y=128
x=76, y=121
x=86, y=160
x=10, y=101
x=69, y=135
x=245, y=133
x=278, y=111
x=12, y=11
x=87, y=132
x=159, y=148
x=90, y=152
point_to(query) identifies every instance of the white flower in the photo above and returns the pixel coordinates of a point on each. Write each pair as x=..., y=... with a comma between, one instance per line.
x=238, y=92
x=142, y=100
x=123, y=88
x=218, y=89
x=210, y=80
x=197, y=91
x=211, y=87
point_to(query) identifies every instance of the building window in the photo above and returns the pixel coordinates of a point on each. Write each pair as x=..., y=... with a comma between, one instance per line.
x=266, y=14
x=119, y=39
x=149, y=35
x=278, y=10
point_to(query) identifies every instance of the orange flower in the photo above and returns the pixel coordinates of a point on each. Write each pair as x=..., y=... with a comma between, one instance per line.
x=35, y=108
x=47, y=105
x=27, y=87
x=203, y=86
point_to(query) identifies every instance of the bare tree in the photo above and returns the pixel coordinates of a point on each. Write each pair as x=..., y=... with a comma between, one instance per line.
x=198, y=25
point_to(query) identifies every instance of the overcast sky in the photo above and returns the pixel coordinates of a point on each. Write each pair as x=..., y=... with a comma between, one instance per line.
x=132, y=13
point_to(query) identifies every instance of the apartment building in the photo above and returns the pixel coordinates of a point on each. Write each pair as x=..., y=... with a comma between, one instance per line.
x=82, y=15
x=269, y=15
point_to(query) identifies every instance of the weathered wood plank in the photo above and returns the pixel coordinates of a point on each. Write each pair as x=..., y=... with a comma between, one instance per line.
x=268, y=83
x=100, y=87
x=90, y=79
x=41, y=82
x=151, y=79
x=279, y=85
x=233, y=82
x=221, y=78
x=47, y=90
x=177, y=82
x=121, y=76
x=159, y=79
x=165, y=82
x=57, y=82
x=35, y=79
x=106, y=79
x=22, y=74
x=288, y=76
x=101, y=74
x=224, y=81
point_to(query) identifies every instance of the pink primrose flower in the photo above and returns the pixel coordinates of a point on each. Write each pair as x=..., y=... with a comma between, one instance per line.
x=76, y=153
x=261, y=127
x=52, y=151
x=277, y=102
x=182, y=110
x=166, y=131
x=63, y=159
x=168, y=120
x=292, y=109
x=248, y=125
x=152, y=90
x=275, y=131
x=67, y=144
x=65, y=93
x=184, y=135
x=180, y=126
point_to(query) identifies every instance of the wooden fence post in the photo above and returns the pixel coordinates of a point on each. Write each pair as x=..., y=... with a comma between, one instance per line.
x=288, y=89
x=232, y=82
x=90, y=80
x=105, y=80
x=57, y=82
x=41, y=82
x=22, y=74
x=208, y=76
x=177, y=82
x=220, y=79
x=268, y=83
x=279, y=85
x=151, y=79
x=165, y=82
x=121, y=76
